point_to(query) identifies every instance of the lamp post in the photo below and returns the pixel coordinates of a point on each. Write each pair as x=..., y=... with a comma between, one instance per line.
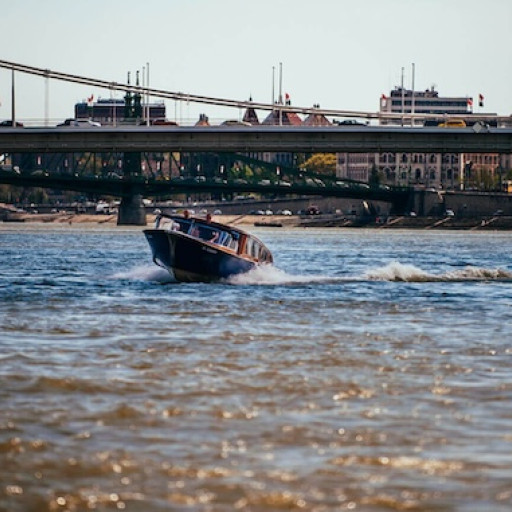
x=13, y=102
x=500, y=178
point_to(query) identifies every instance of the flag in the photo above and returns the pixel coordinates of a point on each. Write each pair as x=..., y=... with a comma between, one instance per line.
x=470, y=102
x=90, y=99
x=383, y=97
x=480, y=100
x=287, y=98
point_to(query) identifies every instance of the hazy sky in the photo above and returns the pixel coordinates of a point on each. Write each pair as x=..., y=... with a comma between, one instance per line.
x=341, y=54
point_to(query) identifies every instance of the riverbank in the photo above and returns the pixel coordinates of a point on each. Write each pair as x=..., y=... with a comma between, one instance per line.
x=487, y=223
x=111, y=219
x=475, y=223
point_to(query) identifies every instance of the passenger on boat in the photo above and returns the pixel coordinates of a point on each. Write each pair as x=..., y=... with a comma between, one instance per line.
x=194, y=231
x=213, y=235
x=158, y=218
x=172, y=225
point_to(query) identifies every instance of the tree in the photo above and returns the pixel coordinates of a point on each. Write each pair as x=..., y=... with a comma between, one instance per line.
x=321, y=163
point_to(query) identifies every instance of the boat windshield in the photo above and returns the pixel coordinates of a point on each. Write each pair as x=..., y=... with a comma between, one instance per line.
x=228, y=239
x=184, y=225
x=213, y=234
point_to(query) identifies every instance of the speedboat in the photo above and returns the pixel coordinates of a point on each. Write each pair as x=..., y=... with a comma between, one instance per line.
x=194, y=249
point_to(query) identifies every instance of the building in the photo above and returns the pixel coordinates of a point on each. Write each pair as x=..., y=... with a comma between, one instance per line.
x=280, y=117
x=316, y=119
x=407, y=101
x=429, y=170
x=250, y=116
x=116, y=111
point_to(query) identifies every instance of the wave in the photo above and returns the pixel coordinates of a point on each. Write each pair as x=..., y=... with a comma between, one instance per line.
x=396, y=271
x=268, y=275
x=393, y=272
x=145, y=273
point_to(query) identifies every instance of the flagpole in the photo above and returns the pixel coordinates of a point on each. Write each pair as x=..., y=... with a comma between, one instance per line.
x=403, y=97
x=273, y=84
x=147, y=94
x=13, y=102
x=412, y=100
x=47, y=100
x=280, y=93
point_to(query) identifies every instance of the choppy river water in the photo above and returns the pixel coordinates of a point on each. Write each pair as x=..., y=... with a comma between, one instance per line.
x=367, y=370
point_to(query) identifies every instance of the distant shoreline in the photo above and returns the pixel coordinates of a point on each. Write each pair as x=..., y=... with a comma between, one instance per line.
x=477, y=223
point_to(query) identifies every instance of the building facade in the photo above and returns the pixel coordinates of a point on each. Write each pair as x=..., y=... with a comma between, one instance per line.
x=429, y=170
x=407, y=101
x=114, y=111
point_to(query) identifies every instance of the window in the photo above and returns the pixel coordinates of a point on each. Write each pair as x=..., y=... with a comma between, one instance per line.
x=253, y=248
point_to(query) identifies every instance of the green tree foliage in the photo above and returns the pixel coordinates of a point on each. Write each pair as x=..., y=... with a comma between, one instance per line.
x=321, y=163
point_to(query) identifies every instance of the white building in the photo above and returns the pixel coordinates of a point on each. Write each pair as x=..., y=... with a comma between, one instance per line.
x=407, y=101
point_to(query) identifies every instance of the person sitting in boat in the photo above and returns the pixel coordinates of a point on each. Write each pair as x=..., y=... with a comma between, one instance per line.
x=172, y=225
x=215, y=237
x=194, y=231
x=213, y=234
x=158, y=218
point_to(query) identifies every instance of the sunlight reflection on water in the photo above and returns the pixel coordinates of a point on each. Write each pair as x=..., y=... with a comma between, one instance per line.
x=364, y=371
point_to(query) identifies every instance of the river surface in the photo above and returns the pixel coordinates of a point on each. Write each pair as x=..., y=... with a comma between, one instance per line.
x=367, y=370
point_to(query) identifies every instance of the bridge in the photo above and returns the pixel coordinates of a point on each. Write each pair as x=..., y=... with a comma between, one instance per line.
x=133, y=141
x=305, y=139
x=131, y=186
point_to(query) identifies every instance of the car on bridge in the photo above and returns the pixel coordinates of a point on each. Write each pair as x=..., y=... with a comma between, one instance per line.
x=235, y=122
x=453, y=123
x=8, y=122
x=163, y=122
x=350, y=122
x=79, y=123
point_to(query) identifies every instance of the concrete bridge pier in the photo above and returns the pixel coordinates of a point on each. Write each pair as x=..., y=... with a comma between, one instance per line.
x=131, y=211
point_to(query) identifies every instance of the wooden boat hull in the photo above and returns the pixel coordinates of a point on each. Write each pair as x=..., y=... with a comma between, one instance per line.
x=191, y=260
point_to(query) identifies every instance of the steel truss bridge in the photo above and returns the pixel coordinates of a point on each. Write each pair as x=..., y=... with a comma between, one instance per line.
x=129, y=186
x=238, y=139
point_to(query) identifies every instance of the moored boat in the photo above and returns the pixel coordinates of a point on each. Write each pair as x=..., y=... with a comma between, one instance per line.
x=197, y=249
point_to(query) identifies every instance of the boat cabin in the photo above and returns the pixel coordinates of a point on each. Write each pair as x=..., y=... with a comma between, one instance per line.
x=232, y=239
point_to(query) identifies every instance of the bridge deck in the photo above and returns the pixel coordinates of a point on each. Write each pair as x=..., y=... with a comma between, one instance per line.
x=257, y=139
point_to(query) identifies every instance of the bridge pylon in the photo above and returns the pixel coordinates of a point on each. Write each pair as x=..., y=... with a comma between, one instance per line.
x=131, y=210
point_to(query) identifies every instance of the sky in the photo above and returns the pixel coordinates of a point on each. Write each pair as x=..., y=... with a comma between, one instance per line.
x=341, y=54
